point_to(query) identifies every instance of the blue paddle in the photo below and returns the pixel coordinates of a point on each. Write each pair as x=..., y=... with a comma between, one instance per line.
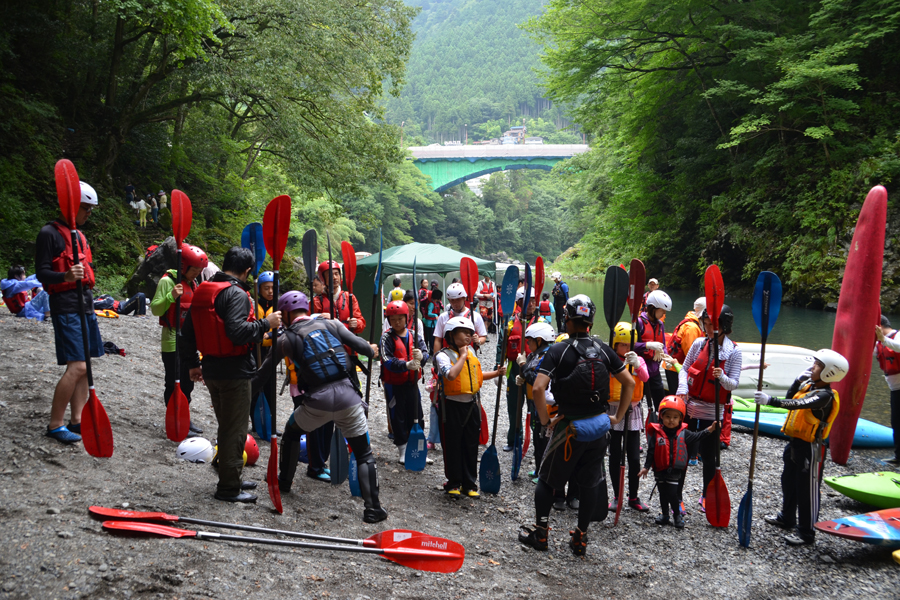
x=262, y=417
x=416, y=448
x=489, y=472
x=353, y=477
x=766, y=306
x=517, y=446
x=252, y=239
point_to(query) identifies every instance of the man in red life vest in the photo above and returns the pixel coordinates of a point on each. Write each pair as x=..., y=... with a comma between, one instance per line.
x=193, y=261
x=346, y=306
x=221, y=325
x=57, y=272
x=887, y=351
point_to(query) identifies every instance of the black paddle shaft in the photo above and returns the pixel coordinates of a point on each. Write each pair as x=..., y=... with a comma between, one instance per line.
x=208, y=535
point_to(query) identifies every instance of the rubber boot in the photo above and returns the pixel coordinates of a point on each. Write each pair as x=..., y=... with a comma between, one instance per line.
x=289, y=456
x=368, y=479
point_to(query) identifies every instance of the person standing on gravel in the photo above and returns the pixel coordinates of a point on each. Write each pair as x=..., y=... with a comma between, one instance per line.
x=193, y=260
x=221, y=325
x=560, y=297
x=579, y=369
x=57, y=272
x=887, y=351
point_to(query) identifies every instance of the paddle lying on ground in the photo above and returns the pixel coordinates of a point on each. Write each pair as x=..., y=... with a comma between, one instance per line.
x=376, y=303
x=718, y=503
x=340, y=459
x=178, y=412
x=96, y=432
x=416, y=448
x=489, y=472
x=260, y=414
x=468, y=273
x=276, y=225
x=517, y=445
x=766, y=306
x=407, y=548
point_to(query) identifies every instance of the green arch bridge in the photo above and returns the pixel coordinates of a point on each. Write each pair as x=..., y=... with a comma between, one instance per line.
x=452, y=165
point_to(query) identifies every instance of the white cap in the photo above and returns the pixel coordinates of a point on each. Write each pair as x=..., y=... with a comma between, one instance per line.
x=88, y=194
x=653, y=280
x=700, y=304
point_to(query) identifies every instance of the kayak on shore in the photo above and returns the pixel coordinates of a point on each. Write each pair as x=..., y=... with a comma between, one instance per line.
x=881, y=490
x=868, y=434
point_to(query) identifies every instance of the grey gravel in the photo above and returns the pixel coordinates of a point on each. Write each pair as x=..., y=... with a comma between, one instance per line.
x=52, y=548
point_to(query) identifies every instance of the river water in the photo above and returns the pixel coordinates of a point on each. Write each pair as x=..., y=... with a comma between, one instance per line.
x=803, y=327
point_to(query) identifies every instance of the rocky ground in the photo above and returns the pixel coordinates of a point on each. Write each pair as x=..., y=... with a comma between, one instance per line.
x=52, y=549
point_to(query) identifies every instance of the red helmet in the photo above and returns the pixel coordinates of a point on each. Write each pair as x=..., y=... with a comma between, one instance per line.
x=323, y=266
x=397, y=307
x=673, y=402
x=192, y=256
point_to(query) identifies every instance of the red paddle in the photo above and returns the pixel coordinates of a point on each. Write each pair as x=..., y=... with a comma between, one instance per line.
x=96, y=432
x=349, y=256
x=178, y=412
x=408, y=548
x=276, y=225
x=468, y=273
x=718, y=503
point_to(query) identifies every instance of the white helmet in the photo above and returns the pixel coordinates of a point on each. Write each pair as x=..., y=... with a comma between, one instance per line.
x=541, y=331
x=195, y=450
x=836, y=366
x=456, y=291
x=458, y=323
x=556, y=275
x=520, y=293
x=88, y=194
x=659, y=299
x=700, y=304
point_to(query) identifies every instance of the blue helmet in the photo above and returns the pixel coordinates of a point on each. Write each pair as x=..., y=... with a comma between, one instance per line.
x=265, y=276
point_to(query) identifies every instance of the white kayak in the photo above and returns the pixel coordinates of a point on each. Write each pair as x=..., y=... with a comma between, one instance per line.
x=786, y=363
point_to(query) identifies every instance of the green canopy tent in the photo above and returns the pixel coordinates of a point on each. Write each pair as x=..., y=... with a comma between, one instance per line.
x=430, y=258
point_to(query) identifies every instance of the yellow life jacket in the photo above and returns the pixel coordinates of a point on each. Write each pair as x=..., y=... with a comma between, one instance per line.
x=292, y=371
x=615, y=390
x=260, y=315
x=108, y=313
x=470, y=378
x=804, y=425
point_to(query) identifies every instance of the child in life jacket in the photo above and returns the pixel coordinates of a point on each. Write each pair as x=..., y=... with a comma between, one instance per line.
x=667, y=454
x=16, y=290
x=402, y=352
x=545, y=309
x=630, y=439
x=538, y=338
x=813, y=408
x=460, y=379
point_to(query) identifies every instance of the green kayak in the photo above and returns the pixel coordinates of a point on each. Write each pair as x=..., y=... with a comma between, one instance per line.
x=743, y=405
x=881, y=490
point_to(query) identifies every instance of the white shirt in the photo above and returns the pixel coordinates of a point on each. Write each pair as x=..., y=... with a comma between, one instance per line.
x=729, y=361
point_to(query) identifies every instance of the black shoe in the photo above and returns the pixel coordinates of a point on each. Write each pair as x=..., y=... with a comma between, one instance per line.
x=679, y=520
x=723, y=445
x=573, y=503
x=76, y=428
x=248, y=485
x=662, y=520
x=194, y=429
x=242, y=497
x=795, y=539
x=578, y=542
x=535, y=537
x=559, y=504
x=374, y=515
x=777, y=521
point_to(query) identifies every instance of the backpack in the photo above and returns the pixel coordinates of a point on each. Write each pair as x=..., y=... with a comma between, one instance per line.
x=586, y=388
x=318, y=353
x=150, y=250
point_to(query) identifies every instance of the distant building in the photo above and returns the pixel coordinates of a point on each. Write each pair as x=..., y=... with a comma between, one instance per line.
x=453, y=143
x=533, y=140
x=508, y=139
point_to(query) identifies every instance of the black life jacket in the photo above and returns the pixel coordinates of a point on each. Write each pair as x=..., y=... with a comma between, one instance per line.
x=584, y=391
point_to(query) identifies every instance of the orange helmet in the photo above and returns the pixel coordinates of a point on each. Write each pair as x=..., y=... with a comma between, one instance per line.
x=674, y=403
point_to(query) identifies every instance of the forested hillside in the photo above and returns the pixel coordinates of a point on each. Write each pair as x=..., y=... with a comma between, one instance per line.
x=742, y=133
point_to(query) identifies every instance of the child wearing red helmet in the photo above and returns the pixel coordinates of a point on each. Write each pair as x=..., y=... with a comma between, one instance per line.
x=667, y=453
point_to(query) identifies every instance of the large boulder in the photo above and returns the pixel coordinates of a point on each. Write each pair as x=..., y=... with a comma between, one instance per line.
x=150, y=269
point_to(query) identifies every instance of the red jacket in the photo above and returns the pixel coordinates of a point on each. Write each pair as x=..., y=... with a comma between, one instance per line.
x=346, y=307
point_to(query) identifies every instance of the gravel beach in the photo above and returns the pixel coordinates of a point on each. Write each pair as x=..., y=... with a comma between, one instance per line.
x=52, y=548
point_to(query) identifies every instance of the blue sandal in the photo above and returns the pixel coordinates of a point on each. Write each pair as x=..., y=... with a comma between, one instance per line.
x=63, y=435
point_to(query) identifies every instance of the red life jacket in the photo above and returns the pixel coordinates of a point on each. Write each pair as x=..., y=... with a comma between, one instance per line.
x=487, y=289
x=168, y=318
x=701, y=383
x=888, y=360
x=544, y=308
x=466, y=313
x=343, y=311
x=16, y=302
x=402, y=351
x=650, y=333
x=63, y=262
x=666, y=456
x=514, y=345
x=209, y=326
x=675, y=349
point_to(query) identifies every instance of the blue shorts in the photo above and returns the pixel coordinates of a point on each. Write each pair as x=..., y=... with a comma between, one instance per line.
x=67, y=332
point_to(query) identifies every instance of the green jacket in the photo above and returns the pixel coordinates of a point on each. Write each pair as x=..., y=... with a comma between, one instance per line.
x=161, y=302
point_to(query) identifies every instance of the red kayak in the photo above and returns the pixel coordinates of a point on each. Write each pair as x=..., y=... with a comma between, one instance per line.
x=857, y=314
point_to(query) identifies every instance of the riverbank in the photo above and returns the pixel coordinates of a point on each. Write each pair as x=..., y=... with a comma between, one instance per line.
x=53, y=549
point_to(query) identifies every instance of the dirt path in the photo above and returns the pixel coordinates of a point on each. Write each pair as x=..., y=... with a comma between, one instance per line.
x=52, y=549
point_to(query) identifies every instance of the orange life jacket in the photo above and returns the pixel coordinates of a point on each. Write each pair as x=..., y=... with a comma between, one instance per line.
x=615, y=390
x=63, y=261
x=209, y=326
x=676, y=351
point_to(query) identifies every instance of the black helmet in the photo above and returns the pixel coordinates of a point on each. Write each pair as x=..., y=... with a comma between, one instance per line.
x=580, y=307
x=726, y=319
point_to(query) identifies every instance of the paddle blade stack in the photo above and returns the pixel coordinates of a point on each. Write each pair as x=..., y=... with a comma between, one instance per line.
x=68, y=190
